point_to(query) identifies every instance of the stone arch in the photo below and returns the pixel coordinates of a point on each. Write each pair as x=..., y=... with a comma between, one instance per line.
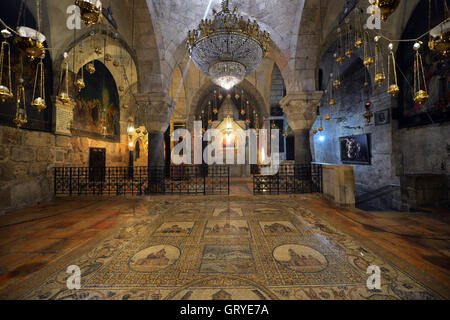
x=277, y=86
x=177, y=93
x=246, y=85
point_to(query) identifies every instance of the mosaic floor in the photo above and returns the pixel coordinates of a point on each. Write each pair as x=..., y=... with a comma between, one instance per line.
x=207, y=248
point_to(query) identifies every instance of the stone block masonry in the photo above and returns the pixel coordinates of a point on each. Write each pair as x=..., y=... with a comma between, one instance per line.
x=27, y=159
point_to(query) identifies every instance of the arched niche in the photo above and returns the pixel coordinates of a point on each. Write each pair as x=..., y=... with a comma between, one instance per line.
x=82, y=51
x=97, y=105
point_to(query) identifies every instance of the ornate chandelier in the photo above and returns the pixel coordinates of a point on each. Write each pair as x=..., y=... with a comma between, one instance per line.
x=227, y=48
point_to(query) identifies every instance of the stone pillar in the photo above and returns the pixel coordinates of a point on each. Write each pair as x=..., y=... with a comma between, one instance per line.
x=301, y=112
x=159, y=109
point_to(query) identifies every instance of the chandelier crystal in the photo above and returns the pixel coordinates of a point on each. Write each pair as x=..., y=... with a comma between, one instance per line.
x=227, y=48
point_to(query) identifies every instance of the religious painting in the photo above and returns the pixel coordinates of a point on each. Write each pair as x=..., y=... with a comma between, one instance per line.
x=355, y=149
x=97, y=105
x=436, y=69
x=382, y=117
x=227, y=259
x=180, y=229
x=300, y=258
x=227, y=228
x=154, y=258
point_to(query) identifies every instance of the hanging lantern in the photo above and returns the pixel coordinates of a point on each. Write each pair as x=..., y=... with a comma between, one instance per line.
x=320, y=129
x=21, y=112
x=243, y=112
x=348, y=46
x=80, y=81
x=237, y=96
x=330, y=91
x=39, y=88
x=339, y=55
x=247, y=120
x=380, y=75
x=327, y=117
x=228, y=96
x=5, y=83
x=314, y=131
x=220, y=96
x=393, y=88
x=90, y=11
x=64, y=95
x=368, y=57
x=90, y=67
x=421, y=95
x=215, y=111
x=336, y=83
x=30, y=42
x=440, y=38
x=387, y=7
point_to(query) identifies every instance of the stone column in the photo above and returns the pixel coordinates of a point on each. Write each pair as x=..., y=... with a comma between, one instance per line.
x=301, y=112
x=159, y=109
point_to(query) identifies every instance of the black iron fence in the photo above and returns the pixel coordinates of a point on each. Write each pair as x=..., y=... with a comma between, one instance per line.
x=111, y=181
x=293, y=179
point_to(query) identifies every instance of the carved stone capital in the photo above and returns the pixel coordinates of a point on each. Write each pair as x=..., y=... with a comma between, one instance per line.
x=301, y=109
x=158, y=110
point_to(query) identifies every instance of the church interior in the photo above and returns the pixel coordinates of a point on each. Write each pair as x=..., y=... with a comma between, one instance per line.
x=338, y=110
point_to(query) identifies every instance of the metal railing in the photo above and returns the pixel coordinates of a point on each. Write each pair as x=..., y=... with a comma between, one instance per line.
x=116, y=181
x=293, y=179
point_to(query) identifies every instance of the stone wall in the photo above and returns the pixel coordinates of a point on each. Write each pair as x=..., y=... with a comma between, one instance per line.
x=423, y=150
x=347, y=120
x=27, y=159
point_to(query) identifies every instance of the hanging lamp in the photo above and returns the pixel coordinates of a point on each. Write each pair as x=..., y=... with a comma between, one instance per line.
x=64, y=94
x=420, y=95
x=21, y=107
x=393, y=88
x=380, y=74
x=5, y=81
x=39, y=88
x=368, y=54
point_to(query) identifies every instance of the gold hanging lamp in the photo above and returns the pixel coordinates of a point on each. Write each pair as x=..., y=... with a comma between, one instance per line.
x=64, y=95
x=380, y=74
x=79, y=83
x=39, y=88
x=340, y=56
x=21, y=107
x=348, y=45
x=5, y=85
x=331, y=101
x=393, y=88
x=440, y=38
x=368, y=54
x=90, y=11
x=420, y=95
x=387, y=7
x=358, y=33
x=440, y=35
